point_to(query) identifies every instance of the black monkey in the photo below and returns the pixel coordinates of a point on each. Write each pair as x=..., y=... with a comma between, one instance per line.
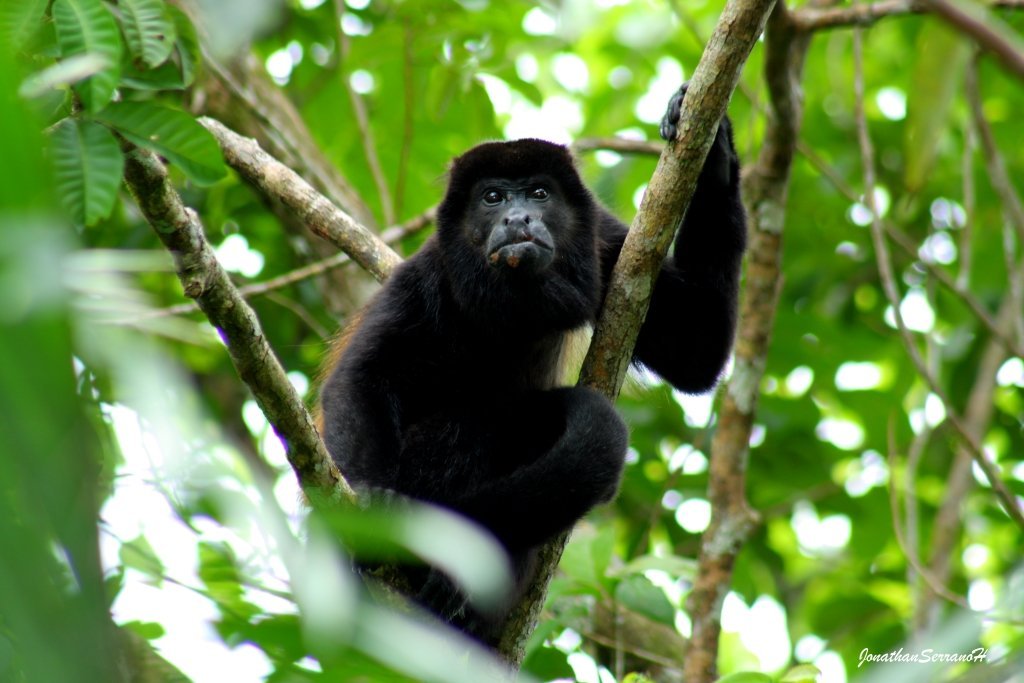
x=447, y=390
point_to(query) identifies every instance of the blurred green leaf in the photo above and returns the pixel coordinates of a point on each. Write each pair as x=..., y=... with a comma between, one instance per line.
x=746, y=677
x=547, y=663
x=86, y=26
x=88, y=164
x=677, y=567
x=170, y=133
x=66, y=72
x=940, y=58
x=643, y=597
x=19, y=19
x=149, y=630
x=138, y=554
x=804, y=673
x=588, y=556
x=187, y=47
x=149, y=30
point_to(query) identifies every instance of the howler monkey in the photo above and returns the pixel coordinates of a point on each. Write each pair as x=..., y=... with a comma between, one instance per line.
x=447, y=391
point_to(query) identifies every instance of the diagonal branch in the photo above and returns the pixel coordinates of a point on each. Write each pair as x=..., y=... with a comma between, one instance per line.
x=321, y=216
x=208, y=283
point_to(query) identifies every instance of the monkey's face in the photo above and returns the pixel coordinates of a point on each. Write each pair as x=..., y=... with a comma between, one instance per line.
x=516, y=223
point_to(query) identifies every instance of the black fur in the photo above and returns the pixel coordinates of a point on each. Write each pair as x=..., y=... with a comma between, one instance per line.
x=447, y=391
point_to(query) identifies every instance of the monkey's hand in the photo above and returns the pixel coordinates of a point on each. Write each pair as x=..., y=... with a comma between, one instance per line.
x=722, y=163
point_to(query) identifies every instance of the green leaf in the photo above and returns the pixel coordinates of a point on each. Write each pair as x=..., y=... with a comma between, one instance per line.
x=942, y=54
x=150, y=630
x=138, y=554
x=19, y=20
x=63, y=73
x=218, y=570
x=673, y=565
x=587, y=557
x=149, y=30
x=548, y=664
x=803, y=673
x=635, y=677
x=86, y=26
x=170, y=133
x=167, y=76
x=189, y=54
x=88, y=164
x=641, y=596
x=746, y=677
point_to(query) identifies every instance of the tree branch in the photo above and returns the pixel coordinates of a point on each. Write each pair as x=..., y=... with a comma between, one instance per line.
x=325, y=219
x=987, y=30
x=390, y=236
x=811, y=18
x=653, y=228
x=766, y=186
x=208, y=283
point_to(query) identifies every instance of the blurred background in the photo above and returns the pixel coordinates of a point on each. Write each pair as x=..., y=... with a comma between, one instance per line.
x=149, y=522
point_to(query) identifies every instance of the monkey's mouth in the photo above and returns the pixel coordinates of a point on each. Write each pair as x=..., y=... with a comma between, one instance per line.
x=525, y=252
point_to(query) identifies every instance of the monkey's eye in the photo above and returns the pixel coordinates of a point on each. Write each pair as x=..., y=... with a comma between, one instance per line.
x=539, y=193
x=493, y=197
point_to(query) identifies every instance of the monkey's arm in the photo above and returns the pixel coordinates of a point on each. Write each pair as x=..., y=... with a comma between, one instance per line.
x=688, y=331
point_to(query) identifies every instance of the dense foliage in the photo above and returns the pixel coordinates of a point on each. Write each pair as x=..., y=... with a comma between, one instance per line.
x=128, y=432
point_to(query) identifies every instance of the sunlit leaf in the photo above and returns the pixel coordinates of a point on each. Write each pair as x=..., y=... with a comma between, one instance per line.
x=139, y=555
x=149, y=30
x=172, y=134
x=86, y=26
x=746, y=677
x=804, y=673
x=150, y=630
x=88, y=164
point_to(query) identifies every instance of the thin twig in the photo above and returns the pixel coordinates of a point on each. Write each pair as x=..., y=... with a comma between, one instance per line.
x=809, y=19
x=621, y=145
x=888, y=278
x=363, y=121
x=390, y=236
x=908, y=549
x=995, y=164
x=963, y=276
x=987, y=30
x=910, y=248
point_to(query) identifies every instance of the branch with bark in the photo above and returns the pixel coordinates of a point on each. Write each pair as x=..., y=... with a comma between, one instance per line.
x=814, y=17
x=205, y=281
x=632, y=282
